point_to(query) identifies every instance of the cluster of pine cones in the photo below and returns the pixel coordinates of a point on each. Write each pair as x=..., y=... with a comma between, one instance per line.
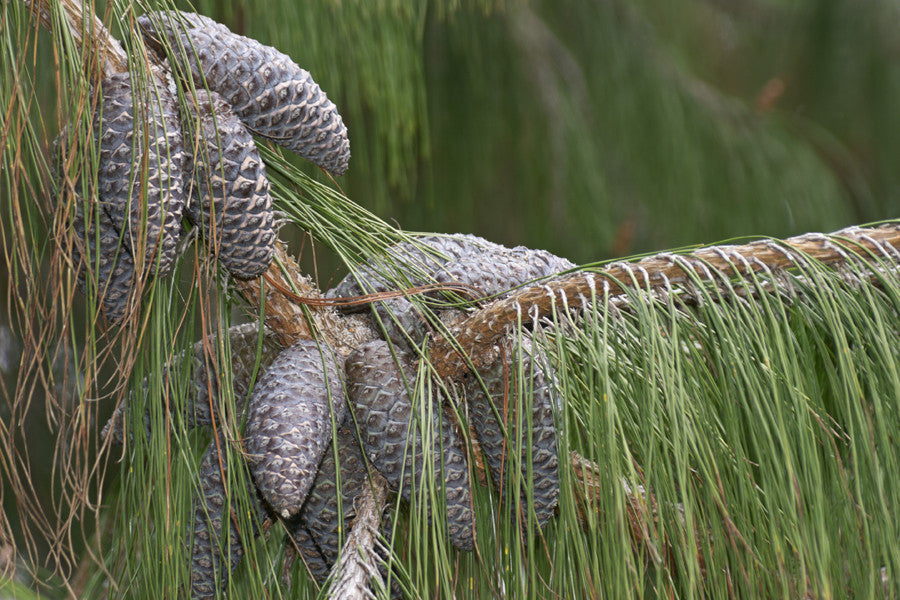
x=199, y=162
x=365, y=396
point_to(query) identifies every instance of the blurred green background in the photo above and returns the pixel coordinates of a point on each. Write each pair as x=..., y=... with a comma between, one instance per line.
x=593, y=129
x=601, y=129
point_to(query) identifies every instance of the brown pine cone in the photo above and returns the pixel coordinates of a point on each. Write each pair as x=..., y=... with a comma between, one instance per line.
x=230, y=199
x=148, y=216
x=289, y=422
x=272, y=95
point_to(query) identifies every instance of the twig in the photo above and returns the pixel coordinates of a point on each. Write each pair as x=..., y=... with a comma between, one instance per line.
x=86, y=30
x=357, y=566
x=474, y=336
x=284, y=317
x=641, y=510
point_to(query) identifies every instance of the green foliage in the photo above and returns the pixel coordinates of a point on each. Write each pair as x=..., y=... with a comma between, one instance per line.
x=761, y=427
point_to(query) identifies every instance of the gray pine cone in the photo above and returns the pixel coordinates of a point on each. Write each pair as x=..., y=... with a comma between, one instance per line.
x=497, y=412
x=308, y=551
x=490, y=269
x=243, y=341
x=499, y=270
x=268, y=91
x=148, y=216
x=203, y=401
x=418, y=263
x=383, y=411
x=289, y=422
x=109, y=264
x=402, y=320
x=230, y=199
x=208, y=537
x=320, y=518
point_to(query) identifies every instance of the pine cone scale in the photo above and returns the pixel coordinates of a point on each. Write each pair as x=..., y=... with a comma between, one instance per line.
x=149, y=216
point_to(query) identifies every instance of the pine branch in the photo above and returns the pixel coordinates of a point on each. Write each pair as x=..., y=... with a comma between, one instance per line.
x=476, y=335
x=473, y=338
x=712, y=265
x=359, y=562
x=283, y=316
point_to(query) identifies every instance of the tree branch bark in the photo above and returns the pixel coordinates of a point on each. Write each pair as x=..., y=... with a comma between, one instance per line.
x=87, y=32
x=473, y=337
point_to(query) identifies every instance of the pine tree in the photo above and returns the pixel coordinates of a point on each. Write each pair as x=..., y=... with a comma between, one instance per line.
x=727, y=413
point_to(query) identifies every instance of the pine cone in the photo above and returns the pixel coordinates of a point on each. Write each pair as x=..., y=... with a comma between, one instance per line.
x=402, y=320
x=319, y=518
x=418, y=263
x=107, y=261
x=309, y=552
x=148, y=216
x=230, y=199
x=489, y=269
x=383, y=410
x=492, y=415
x=499, y=270
x=204, y=393
x=208, y=535
x=289, y=422
x=243, y=340
x=268, y=91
